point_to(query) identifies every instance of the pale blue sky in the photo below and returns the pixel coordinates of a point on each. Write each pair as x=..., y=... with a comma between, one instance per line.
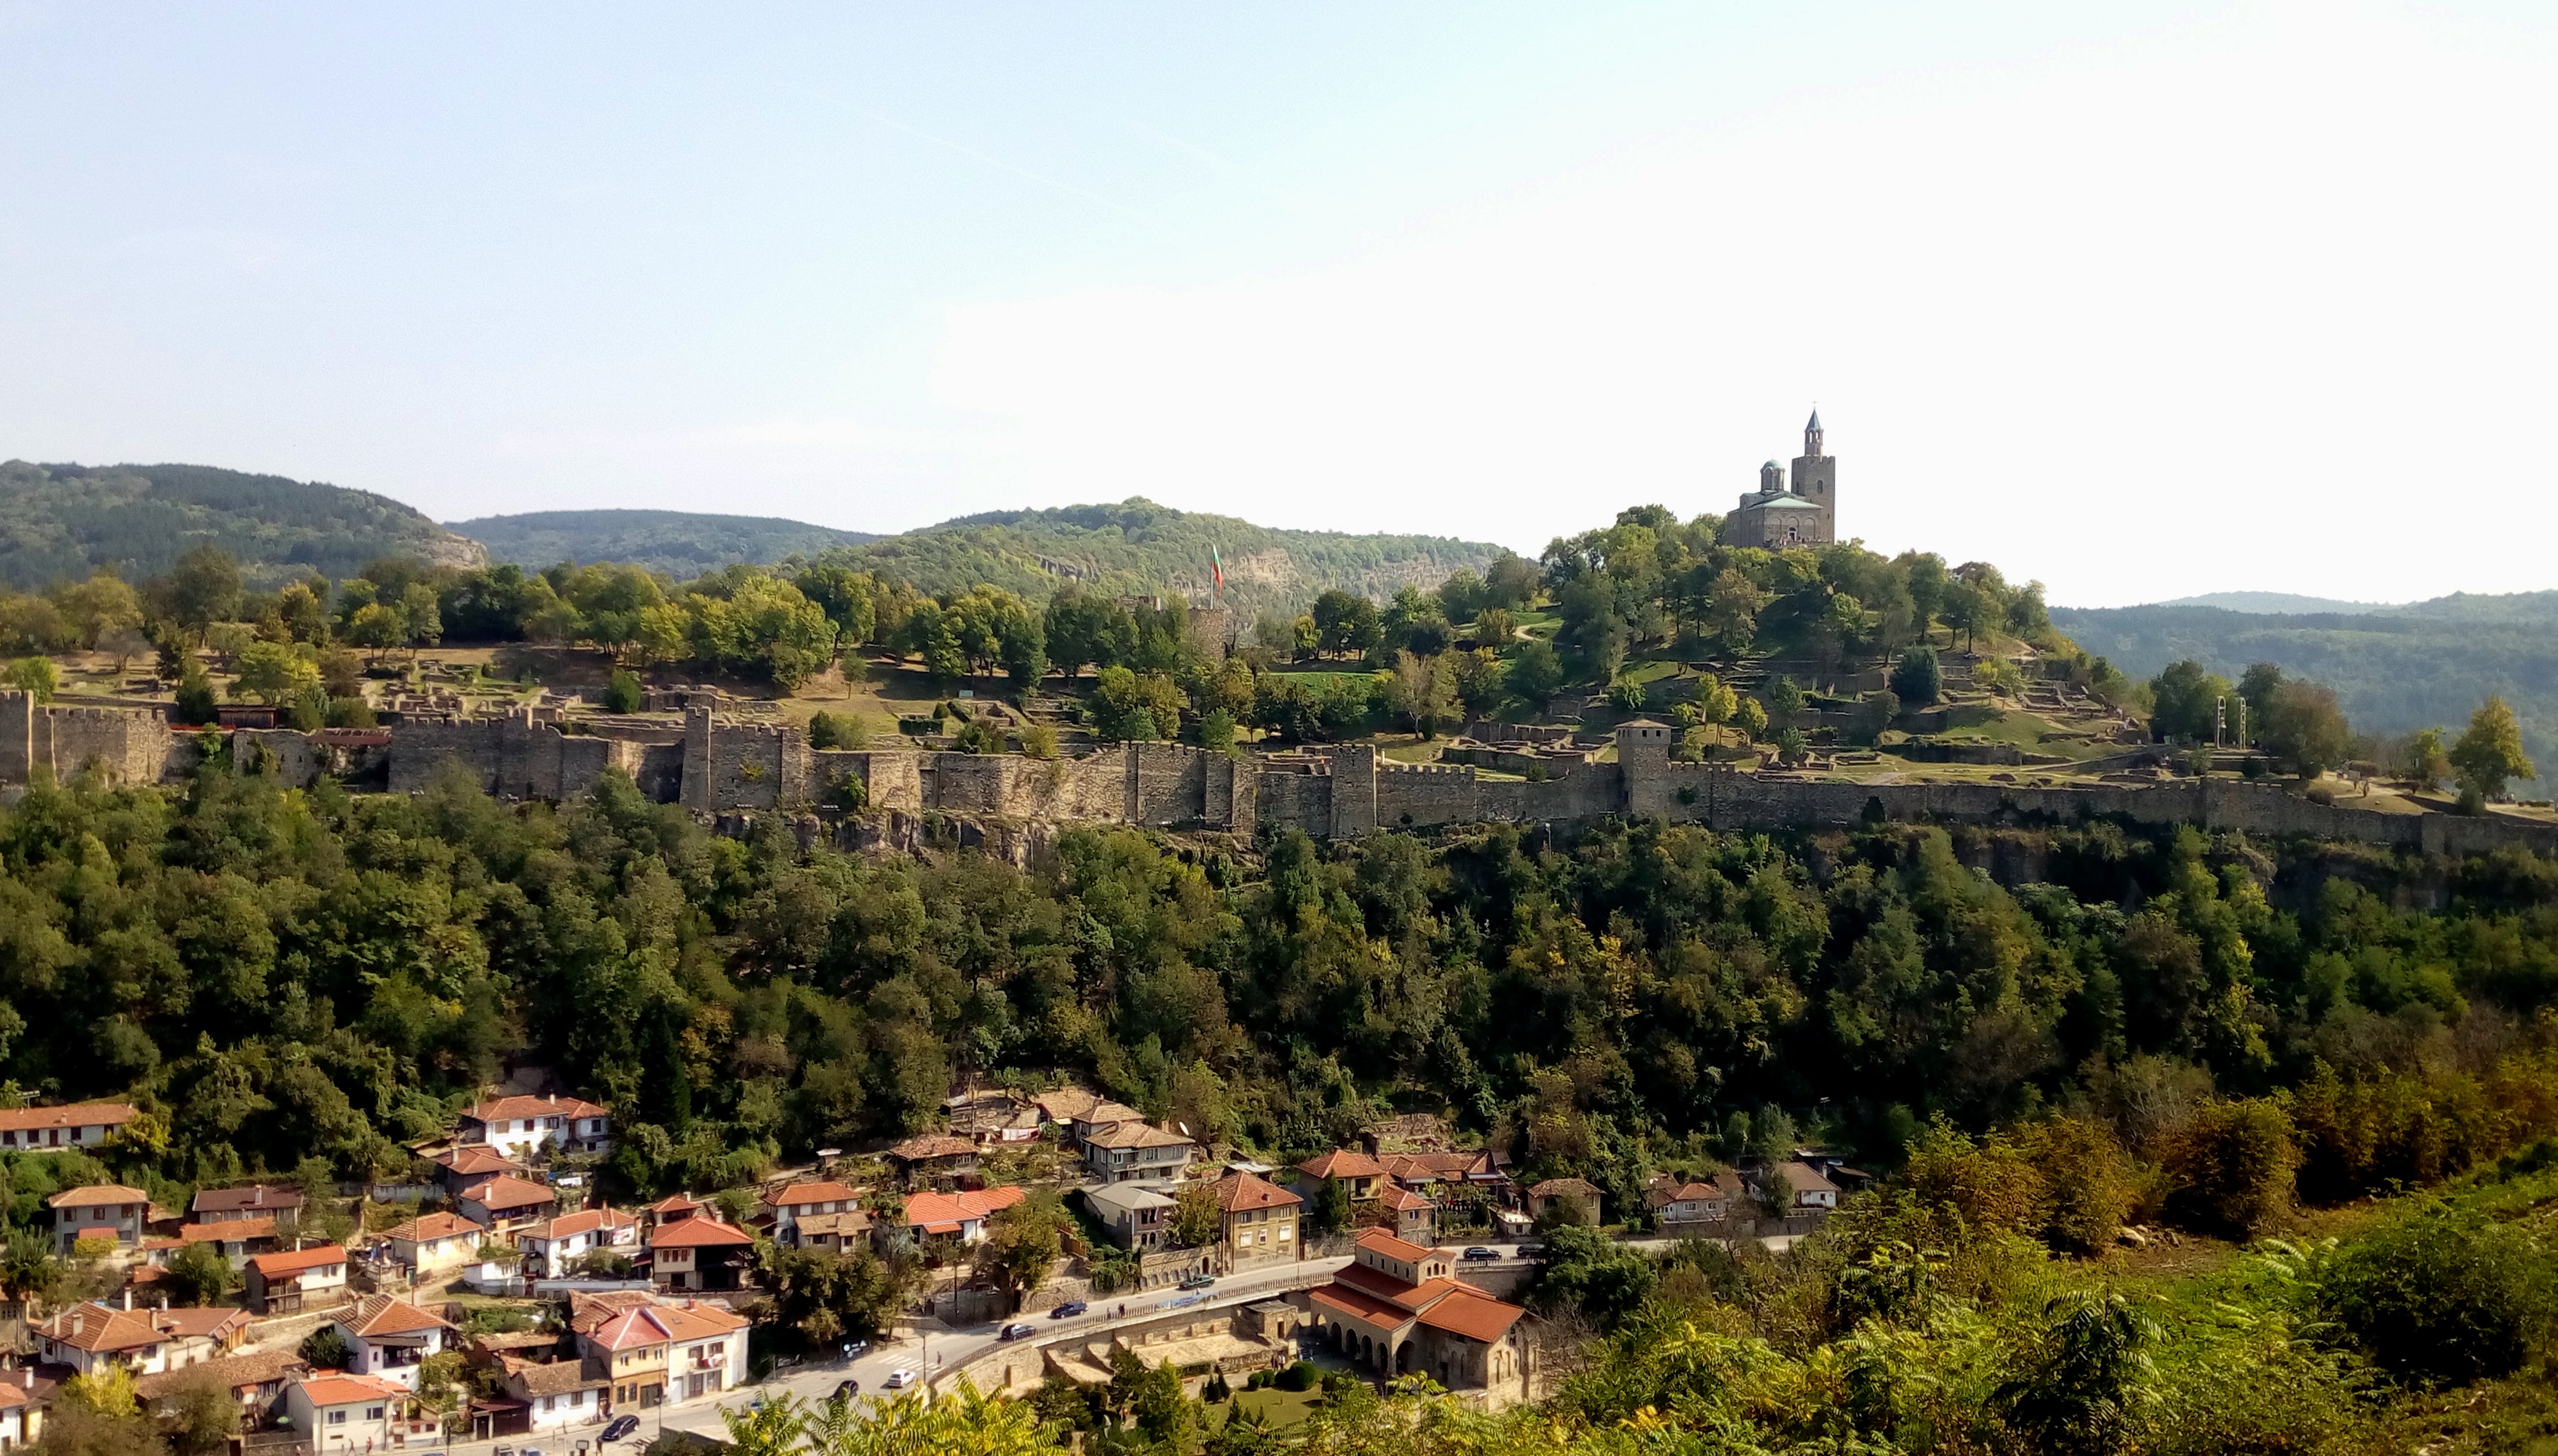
x=2137, y=300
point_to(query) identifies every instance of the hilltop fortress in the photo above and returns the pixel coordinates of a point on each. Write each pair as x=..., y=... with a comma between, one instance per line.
x=717, y=768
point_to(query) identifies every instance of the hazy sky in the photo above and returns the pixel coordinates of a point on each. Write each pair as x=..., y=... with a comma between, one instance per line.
x=2138, y=300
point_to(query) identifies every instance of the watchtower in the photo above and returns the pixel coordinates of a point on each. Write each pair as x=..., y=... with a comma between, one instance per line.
x=1644, y=764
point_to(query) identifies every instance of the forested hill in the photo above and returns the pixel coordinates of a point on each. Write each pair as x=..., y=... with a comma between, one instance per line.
x=1138, y=547
x=680, y=545
x=2394, y=669
x=59, y=523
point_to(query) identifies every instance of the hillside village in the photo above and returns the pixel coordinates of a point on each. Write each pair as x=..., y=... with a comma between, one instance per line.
x=745, y=989
x=494, y=1296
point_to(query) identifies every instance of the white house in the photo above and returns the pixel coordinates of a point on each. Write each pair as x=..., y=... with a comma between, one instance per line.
x=391, y=1340
x=279, y=1283
x=520, y=1126
x=337, y=1412
x=807, y=1200
x=51, y=1129
x=103, y=1210
x=17, y=1425
x=503, y=1203
x=706, y=1349
x=699, y=1252
x=435, y=1242
x=1812, y=1192
x=662, y=1353
x=557, y=1394
x=91, y=1336
x=552, y=1246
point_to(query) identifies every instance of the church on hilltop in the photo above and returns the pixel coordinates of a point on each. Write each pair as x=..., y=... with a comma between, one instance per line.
x=1804, y=514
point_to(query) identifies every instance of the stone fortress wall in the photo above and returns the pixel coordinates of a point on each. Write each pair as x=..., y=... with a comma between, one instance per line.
x=713, y=767
x=126, y=747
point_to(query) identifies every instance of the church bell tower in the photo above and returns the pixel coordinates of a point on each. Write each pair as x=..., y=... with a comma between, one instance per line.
x=1816, y=478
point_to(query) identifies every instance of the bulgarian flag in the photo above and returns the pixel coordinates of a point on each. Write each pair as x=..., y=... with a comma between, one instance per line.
x=1216, y=572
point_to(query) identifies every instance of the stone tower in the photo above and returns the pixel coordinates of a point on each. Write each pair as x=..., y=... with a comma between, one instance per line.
x=1816, y=478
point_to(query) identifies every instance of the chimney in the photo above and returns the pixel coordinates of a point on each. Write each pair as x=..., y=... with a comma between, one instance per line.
x=79, y=1320
x=128, y=1299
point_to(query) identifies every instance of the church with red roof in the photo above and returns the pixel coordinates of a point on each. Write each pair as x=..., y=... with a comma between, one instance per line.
x=1398, y=1310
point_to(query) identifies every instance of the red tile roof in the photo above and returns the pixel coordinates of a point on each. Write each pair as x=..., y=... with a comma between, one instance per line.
x=807, y=1193
x=502, y=1193
x=1239, y=1192
x=430, y=1226
x=1359, y=1302
x=379, y=1314
x=1393, y=1248
x=1474, y=1315
x=698, y=1232
x=74, y=1115
x=255, y=1196
x=98, y=1195
x=476, y=1157
x=569, y=1226
x=931, y=1211
x=334, y=1388
x=293, y=1261
x=497, y=1109
x=224, y=1231
x=1400, y=1199
x=1342, y=1163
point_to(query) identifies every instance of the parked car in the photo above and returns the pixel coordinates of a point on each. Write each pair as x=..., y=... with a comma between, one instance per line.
x=898, y=1379
x=846, y=1390
x=1069, y=1310
x=623, y=1426
x=1199, y=1281
x=1016, y=1332
x=1478, y=1251
x=1531, y=1248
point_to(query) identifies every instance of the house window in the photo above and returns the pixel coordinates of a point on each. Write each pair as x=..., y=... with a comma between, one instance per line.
x=372, y=1413
x=336, y=1417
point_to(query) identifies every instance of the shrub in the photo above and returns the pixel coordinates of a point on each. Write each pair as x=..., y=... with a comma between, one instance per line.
x=622, y=694
x=351, y=712
x=2230, y=1167
x=326, y=1349
x=32, y=675
x=1039, y=741
x=1299, y=1377
x=2442, y=1295
x=978, y=738
x=1626, y=696
x=838, y=730
x=1917, y=678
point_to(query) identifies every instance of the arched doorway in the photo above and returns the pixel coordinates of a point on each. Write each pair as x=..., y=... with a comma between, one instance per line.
x=1403, y=1360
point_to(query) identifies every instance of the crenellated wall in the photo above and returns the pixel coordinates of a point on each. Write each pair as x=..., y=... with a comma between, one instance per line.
x=126, y=744
x=1342, y=792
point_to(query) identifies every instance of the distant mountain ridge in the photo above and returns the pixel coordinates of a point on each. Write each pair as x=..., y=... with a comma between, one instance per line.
x=61, y=522
x=680, y=543
x=2278, y=603
x=1140, y=547
x=2394, y=669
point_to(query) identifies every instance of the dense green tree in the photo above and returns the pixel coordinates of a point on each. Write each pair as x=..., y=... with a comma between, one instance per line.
x=2489, y=752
